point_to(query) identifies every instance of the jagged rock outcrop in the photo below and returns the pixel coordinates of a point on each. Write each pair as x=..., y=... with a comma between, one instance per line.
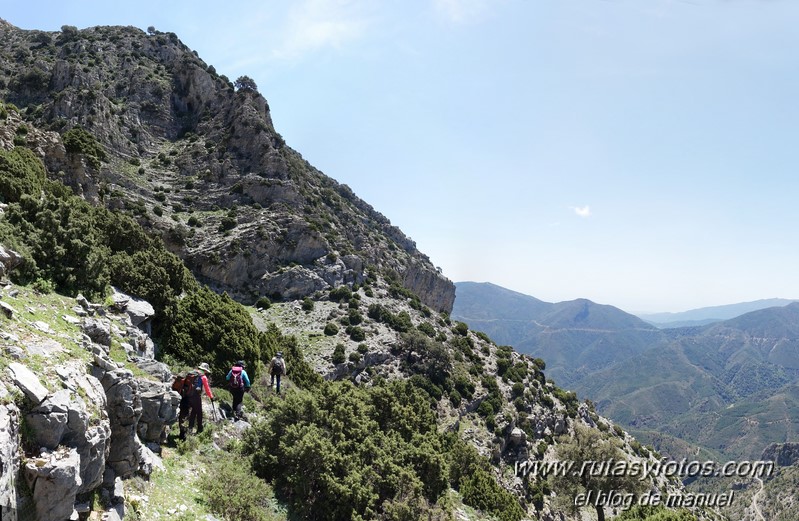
x=783, y=454
x=140, y=312
x=159, y=410
x=9, y=455
x=422, y=280
x=54, y=480
x=80, y=425
x=9, y=259
x=28, y=383
x=124, y=408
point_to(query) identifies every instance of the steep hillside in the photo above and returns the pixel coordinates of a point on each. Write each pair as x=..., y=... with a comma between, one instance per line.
x=196, y=159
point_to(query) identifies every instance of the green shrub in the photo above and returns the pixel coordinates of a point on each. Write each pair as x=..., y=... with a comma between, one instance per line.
x=455, y=398
x=340, y=293
x=208, y=327
x=480, y=490
x=342, y=452
x=21, y=172
x=427, y=328
x=433, y=360
x=485, y=409
x=331, y=329
x=502, y=365
x=355, y=317
x=227, y=223
x=464, y=385
x=338, y=354
x=79, y=141
x=43, y=286
x=356, y=333
x=263, y=303
x=461, y=328
x=231, y=490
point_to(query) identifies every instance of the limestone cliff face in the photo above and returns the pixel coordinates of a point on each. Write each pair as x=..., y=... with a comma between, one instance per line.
x=199, y=163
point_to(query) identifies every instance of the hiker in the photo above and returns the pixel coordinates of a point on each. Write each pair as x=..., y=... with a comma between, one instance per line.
x=191, y=404
x=239, y=384
x=277, y=368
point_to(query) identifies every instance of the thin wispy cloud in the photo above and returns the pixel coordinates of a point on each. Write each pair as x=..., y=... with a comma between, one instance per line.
x=582, y=211
x=313, y=25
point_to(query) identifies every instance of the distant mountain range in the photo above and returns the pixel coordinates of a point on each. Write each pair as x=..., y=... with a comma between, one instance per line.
x=708, y=315
x=575, y=338
x=731, y=386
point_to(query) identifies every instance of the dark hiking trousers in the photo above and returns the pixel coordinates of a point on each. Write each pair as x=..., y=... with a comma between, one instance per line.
x=238, y=396
x=276, y=376
x=195, y=412
x=184, y=413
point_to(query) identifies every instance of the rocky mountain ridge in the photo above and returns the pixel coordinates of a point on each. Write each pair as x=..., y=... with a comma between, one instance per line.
x=199, y=162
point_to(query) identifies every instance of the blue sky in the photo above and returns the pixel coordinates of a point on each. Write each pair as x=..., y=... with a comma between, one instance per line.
x=639, y=153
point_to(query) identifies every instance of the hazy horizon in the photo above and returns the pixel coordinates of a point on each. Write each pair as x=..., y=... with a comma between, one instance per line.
x=631, y=311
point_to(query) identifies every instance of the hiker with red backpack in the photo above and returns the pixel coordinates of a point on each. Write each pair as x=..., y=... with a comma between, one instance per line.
x=191, y=404
x=277, y=368
x=239, y=384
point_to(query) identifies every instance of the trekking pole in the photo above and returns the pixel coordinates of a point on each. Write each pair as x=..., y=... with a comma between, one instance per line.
x=213, y=408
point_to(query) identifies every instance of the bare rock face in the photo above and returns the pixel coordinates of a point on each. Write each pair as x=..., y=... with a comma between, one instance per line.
x=434, y=290
x=294, y=283
x=783, y=454
x=124, y=411
x=75, y=417
x=137, y=309
x=28, y=383
x=98, y=330
x=88, y=428
x=54, y=480
x=9, y=456
x=159, y=410
x=9, y=259
x=48, y=420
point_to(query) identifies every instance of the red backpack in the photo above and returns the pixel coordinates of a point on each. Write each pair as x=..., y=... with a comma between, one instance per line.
x=186, y=385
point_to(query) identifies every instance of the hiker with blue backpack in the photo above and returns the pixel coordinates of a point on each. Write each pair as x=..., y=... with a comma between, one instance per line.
x=239, y=383
x=191, y=404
